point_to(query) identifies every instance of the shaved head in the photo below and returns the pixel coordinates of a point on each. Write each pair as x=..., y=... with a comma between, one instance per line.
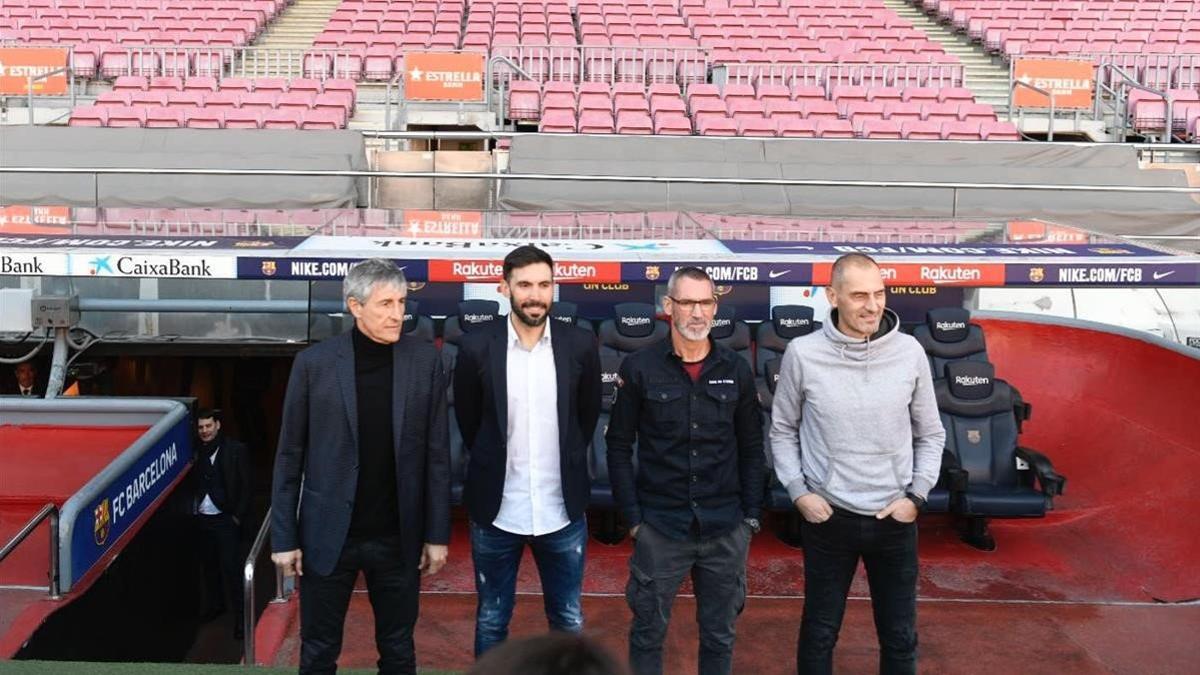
x=859, y=261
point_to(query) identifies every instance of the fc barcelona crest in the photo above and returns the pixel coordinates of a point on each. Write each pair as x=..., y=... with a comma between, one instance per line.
x=1037, y=274
x=974, y=436
x=268, y=268
x=103, y=521
x=653, y=272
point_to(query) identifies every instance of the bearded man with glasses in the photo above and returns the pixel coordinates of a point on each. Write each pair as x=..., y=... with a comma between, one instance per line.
x=693, y=503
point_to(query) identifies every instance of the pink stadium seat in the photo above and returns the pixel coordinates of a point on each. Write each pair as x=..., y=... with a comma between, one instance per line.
x=820, y=109
x=879, y=128
x=941, y=112
x=323, y=119
x=203, y=118
x=741, y=105
x=960, y=94
x=557, y=122
x=630, y=102
x=634, y=123
x=243, y=119
x=126, y=117
x=961, y=131
x=808, y=92
x=853, y=109
x=524, y=101
x=919, y=94
x=902, y=112
x=160, y=117
x=147, y=98
x=89, y=116
x=713, y=125
x=236, y=84
x=196, y=83
x=260, y=100
x=282, y=119
x=186, y=98
x=130, y=83
x=166, y=83
x=999, y=131
x=755, y=126
x=834, y=128
x=270, y=84
x=794, y=128
x=296, y=100
x=921, y=131
x=775, y=108
x=225, y=100
x=980, y=112
x=596, y=122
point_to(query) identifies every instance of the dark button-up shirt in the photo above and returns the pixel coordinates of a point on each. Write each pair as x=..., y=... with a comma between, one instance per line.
x=700, y=462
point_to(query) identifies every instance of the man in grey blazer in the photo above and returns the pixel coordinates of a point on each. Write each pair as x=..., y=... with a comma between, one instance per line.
x=362, y=475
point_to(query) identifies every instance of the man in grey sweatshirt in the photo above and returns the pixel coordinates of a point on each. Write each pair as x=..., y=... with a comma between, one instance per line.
x=857, y=442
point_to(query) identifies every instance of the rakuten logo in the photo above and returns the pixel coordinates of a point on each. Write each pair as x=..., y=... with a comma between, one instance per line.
x=477, y=270
x=574, y=271
x=608, y=378
x=949, y=274
x=971, y=381
x=950, y=325
x=794, y=323
x=478, y=318
x=635, y=321
x=721, y=323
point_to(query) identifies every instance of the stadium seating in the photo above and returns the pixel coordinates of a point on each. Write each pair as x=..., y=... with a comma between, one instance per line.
x=1001, y=478
x=206, y=103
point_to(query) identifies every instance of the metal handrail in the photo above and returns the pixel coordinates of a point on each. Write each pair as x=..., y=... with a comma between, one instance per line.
x=1130, y=82
x=48, y=511
x=1037, y=90
x=681, y=180
x=248, y=595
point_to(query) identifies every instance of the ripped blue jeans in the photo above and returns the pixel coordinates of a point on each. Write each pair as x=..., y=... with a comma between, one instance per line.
x=497, y=556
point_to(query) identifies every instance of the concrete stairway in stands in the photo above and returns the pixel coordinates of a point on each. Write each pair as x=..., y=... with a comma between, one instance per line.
x=986, y=77
x=294, y=31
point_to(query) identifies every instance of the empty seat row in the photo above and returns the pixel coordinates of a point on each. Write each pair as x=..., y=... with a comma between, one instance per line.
x=339, y=101
x=243, y=84
x=206, y=118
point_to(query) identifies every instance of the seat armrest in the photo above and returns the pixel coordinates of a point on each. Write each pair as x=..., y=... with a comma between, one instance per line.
x=1051, y=482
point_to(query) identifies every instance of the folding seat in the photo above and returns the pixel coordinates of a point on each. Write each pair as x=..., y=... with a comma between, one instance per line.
x=755, y=126
x=711, y=124
x=295, y=100
x=634, y=327
x=557, y=121
x=808, y=92
x=980, y=112
x=163, y=117
x=201, y=84
x=854, y=109
x=820, y=109
x=842, y=92
x=89, y=116
x=246, y=118
x=203, y=118
x=902, y=112
x=631, y=102
x=920, y=94
x=166, y=83
x=596, y=122
x=790, y=127
x=225, y=100
x=921, y=130
x=524, y=100
x=672, y=124
x=739, y=106
x=776, y=108
x=147, y=98
x=187, y=98
x=960, y=131
x=999, y=131
x=126, y=117
x=322, y=119
x=947, y=335
x=270, y=84
x=288, y=118
x=884, y=94
x=634, y=122
x=877, y=128
x=259, y=100
x=666, y=103
x=1000, y=478
x=834, y=128
x=942, y=112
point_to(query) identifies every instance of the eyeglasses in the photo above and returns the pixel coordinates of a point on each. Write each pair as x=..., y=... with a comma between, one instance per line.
x=707, y=304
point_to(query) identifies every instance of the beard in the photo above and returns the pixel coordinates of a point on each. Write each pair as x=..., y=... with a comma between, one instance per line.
x=523, y=317
x=693, y=332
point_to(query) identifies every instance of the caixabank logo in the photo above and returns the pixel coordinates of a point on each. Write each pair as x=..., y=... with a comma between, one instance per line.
x=148, y=266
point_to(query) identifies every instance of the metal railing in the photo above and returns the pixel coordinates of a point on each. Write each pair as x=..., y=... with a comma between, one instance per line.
x=248, y=591
x=833, y=74
x=229, y=61
x=1118, y=99
x=1012, y=90
x=49, y=511
x=605, y=63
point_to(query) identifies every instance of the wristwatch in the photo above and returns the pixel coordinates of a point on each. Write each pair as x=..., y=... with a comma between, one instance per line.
x=755, y=526
x=918, y=501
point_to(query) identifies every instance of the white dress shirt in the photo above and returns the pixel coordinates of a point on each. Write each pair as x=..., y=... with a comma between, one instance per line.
x=207, y=507
x=533, y=502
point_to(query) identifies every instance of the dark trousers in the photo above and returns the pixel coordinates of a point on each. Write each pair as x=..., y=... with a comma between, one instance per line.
x=888, y=549
x=222, y=539
x=658, y=566
x=497, y=557
x=393, y=587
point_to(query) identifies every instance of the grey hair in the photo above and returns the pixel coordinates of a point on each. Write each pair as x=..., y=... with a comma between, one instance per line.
x=689, y=272
x=859, y=260
x=364, y=276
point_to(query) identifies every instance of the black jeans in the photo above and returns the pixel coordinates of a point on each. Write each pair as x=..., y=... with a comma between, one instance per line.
x=718, y=568
x=222, y=539
x=393, y=588
x=888, y=549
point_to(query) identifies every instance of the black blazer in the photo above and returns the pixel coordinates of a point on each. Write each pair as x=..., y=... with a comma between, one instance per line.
x=481, y=406
x=233, y=463
x=316, y=467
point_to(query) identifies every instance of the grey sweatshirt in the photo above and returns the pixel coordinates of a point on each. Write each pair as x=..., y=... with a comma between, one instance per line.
x=856, y=421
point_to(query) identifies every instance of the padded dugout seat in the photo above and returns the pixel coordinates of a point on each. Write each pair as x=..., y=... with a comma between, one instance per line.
x=1001, y=478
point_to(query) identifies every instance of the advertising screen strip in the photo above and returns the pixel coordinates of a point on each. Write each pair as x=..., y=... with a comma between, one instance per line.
x=33, y=264
x=927, y=274
x=565, y=271
x=101, y=522
x=157, y=244
x=1153, y=274
x=317, y=269
x=137, y=265
x=1053, y=250
x=781, y=274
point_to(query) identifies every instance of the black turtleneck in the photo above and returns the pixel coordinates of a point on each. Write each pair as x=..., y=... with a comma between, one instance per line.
x=375, y=502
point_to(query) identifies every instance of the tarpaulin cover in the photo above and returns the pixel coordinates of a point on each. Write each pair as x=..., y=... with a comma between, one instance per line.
x=981, y=162
x=181, y=148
